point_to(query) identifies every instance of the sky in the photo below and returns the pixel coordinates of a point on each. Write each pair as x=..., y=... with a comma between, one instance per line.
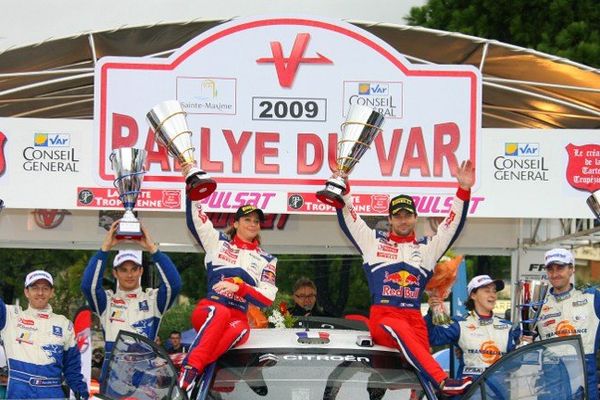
x=26, y=22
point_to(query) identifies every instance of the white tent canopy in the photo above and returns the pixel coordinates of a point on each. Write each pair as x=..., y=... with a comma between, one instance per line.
x=521, y=89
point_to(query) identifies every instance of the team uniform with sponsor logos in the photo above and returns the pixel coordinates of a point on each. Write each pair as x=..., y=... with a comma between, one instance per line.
x=40, y=350
x=397, y=270
x=138, y=311
x=482, y=340
x=220, y=318
x=575, y=312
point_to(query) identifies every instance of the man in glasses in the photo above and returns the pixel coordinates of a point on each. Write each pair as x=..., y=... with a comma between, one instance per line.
x=305, y=300
x=569, y=311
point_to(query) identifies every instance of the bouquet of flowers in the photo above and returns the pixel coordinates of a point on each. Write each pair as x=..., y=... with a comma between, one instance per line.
x=281, y=318
x=444, y=275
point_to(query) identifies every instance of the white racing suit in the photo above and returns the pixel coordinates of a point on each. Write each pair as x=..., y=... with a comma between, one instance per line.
x=138, y=311
x=575, y=313
x=482, y=340
x=40, y=350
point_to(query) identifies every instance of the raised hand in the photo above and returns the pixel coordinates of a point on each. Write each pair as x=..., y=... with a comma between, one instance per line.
x=110, y=240
x=146, y=241
x=465, y=175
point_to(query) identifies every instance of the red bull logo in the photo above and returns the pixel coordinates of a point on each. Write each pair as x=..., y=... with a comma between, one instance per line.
x=401, y=278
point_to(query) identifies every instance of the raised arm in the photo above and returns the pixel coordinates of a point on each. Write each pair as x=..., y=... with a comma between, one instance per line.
x=449, y=229
x=170, y=280
x=353, y=225
x=91, y=282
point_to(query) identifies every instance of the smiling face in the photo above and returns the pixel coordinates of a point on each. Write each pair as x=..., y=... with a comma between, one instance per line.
x=39, y=294
x=128, y=275
x=559, y=276
x=403, y=223
x=485, y=299
x=248, y=227
x=305, y=297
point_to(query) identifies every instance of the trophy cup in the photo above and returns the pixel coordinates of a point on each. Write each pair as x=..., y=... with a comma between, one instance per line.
x=361, y=127
x=128, y=164
x=594, y=203
x=171, y=131
x=529, y=299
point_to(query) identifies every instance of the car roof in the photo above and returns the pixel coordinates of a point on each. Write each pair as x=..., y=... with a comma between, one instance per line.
x=273, y=338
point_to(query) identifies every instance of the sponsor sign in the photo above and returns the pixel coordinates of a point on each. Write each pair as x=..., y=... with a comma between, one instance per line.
x=378, y=204
x=147, y=199
x=265, y=98
x=583, y=169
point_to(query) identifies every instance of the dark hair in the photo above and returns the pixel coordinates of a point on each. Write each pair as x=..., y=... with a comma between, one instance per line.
x=175, y=332
x=303, y=282
x=231, y=232
x=470, y=303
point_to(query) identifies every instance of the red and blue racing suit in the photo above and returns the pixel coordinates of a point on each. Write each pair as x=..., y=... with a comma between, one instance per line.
x=397, y=270
x=220, y=319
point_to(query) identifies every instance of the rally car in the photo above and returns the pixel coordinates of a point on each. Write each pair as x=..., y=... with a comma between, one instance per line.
x=324, y=363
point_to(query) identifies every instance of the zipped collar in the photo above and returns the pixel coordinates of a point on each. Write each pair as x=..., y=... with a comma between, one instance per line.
x=402, y=239
x=242, y=244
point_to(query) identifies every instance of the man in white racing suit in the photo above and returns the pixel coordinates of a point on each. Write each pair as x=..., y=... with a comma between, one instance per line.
x=569, y=311
x=40, y=346
x=130, y=308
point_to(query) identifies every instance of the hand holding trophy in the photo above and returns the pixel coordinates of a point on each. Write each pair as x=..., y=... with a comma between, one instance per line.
x=128, y=164
x=172, y=132
x=530, y=297
x=362, y=126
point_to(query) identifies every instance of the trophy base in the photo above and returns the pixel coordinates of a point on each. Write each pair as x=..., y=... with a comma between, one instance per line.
x=129, y=230
x=198, y=188
x=333, y=199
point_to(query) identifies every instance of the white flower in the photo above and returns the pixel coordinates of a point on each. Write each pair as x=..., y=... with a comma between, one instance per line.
x=277, y=319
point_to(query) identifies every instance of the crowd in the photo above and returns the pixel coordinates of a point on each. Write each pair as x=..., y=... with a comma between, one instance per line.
x=42, y=353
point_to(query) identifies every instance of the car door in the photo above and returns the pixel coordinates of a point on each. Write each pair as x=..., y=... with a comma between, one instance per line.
x=139, y=369
x=552, y=369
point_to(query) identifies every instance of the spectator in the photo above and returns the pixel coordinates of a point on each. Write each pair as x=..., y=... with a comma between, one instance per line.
x=481, y=337
x=129, y=308
x=40, y=346
x=305, y=300
x=398, y=267
x=176, y=345
x=97, y=361
x=239, y=272
x=569, y=311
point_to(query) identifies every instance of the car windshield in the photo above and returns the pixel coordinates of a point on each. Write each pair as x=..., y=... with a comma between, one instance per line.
x=324, y=374
x=552, y=369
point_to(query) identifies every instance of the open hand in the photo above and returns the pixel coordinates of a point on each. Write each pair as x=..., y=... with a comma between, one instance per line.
x=465, y=175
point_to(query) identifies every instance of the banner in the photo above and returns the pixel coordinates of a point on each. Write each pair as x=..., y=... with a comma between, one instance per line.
x=265, y=98
x=546, y=176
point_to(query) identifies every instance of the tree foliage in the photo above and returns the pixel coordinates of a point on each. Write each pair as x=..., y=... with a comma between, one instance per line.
x=566, y=28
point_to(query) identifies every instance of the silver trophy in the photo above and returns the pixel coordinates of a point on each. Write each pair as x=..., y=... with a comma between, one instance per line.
x=529, y=299
x=361, y=127
x=128, y=164
x=594, y=203
x=171, y=131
